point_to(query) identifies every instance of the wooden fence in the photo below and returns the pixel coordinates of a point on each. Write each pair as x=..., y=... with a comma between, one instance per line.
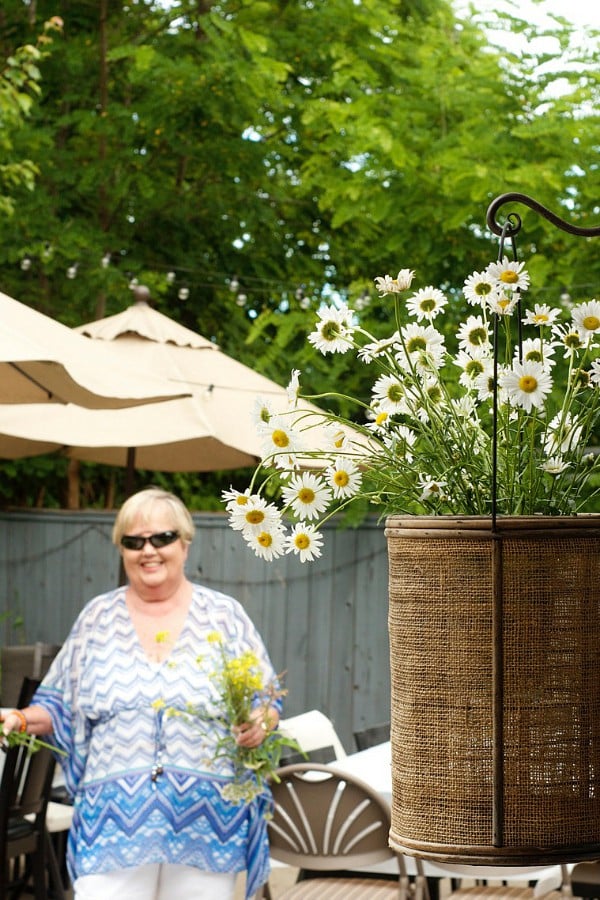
x=324, y=623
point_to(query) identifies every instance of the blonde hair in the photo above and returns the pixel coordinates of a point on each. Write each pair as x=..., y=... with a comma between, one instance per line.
x=142, y=505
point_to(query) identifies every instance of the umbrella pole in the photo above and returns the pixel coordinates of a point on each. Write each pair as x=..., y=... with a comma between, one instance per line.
x=130, y=472
x=129, y=486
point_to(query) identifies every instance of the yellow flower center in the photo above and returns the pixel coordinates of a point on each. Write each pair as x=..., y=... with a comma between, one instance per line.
x=341, y=479
x=591, y=323
x=255, y=516
x=306, y=495
x=528, y=384
x=339, y=440
x=483, y=289
x=428, y=304
x=265, y=539
x=241, y=499
x=509, y=277
x=330, y=331
x=474, y=368
x=416, y=344
x=280, y=438
x=381, y=418
x=395, y=393
x=302, y=541
x=540, y=318
x=503, y=303
x=477, y=337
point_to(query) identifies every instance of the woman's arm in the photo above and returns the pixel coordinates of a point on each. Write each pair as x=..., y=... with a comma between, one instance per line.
x=37, y=721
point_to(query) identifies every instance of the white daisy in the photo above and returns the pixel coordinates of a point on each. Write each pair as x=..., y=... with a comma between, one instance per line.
x=234, y=499
x=541, y=314
x=570, y=338
x=427, y=303
x=385, y=284
x=293, y=387
x=261, y=412
x=389, y=395
x=307, y=494
x=473, y=334
x=478, y=287
x=305, y=541
x=527, y=384
x=379, y=421
x=510, y=275
x=432, y=490
x=402, y=441
x=537, y=350
x=554, y=465
x=281, y=442
x=473, y=364
x=562, y=435
x=586, y=319
x=371, y=351
x=502, y=302
x=333, y=332
x=254, y=516
x=268, y=544
x=595, y=372
x=423, y=348
x=344, y=478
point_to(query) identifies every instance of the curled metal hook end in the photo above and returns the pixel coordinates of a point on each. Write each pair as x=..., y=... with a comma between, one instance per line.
x=515, y=221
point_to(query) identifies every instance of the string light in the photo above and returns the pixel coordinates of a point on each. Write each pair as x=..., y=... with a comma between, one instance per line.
x=72, y=272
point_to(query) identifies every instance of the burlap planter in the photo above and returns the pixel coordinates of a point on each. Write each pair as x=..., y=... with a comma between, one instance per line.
x=495, y=667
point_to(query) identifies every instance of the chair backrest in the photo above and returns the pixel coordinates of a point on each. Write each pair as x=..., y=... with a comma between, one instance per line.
x=313, y=731
x=20, y=661
x=327, y=820
x=371, y=736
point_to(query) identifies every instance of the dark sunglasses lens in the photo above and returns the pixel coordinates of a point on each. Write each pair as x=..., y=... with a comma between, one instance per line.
x=132, y=542
x=137, y=542
x=164, y=538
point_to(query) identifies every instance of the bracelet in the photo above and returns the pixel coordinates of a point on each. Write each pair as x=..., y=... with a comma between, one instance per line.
x=21, y=716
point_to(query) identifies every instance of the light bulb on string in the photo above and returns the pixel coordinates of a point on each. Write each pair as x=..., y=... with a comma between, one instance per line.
x=170, y=277
x=105, y=261
x=234, y=284
x=183, y=293
x=26, y=263
x=133, y=283
x=72, y=271
x=241, y=299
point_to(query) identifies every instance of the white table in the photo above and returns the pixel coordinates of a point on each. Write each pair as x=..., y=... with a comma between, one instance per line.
x=374, y=767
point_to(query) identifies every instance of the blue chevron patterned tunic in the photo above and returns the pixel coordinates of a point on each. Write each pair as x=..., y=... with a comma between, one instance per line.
x=146, y=786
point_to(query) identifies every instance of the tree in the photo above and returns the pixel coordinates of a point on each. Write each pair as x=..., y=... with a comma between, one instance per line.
x=263, y=155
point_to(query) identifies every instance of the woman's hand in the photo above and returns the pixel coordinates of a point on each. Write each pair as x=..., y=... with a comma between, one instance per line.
x=251, y=734
x=33, y=719
x=13, y=720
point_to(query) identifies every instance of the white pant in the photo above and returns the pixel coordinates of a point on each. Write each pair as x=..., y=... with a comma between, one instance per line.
x=156, y=881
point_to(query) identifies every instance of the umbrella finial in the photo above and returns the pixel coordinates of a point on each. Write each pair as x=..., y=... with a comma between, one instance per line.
x=141, y=293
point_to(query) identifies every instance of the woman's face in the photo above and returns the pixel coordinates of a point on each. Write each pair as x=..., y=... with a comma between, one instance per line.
x=154, y=571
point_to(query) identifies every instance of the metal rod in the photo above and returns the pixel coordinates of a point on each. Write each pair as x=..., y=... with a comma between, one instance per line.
x=513, y=228
x=498, y=694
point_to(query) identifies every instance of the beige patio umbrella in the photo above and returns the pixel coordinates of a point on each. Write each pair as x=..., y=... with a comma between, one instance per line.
x=214, y=429
x=43, y=361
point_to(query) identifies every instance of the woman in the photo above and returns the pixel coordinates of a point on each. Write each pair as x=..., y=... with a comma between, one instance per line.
x=150, y=820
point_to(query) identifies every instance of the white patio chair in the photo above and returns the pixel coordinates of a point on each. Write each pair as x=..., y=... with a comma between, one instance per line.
x=313, y=731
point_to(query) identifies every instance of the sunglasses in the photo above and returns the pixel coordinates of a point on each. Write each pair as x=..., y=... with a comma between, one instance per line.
x=137, y=542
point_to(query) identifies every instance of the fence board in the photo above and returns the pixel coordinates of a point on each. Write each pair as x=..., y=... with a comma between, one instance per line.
x=324, y=622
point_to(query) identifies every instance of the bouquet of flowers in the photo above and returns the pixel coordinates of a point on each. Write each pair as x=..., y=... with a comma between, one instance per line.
x=502, y=413
x=242, y=697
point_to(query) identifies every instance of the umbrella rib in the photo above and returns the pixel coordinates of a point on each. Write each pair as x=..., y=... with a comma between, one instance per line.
x=34, y=381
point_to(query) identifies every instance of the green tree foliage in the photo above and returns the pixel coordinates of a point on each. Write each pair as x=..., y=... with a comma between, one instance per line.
x=276, y=153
